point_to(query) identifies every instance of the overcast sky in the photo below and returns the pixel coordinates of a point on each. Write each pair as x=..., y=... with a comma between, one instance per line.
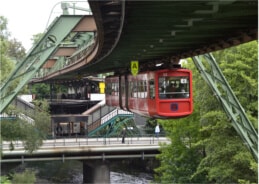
x=29, y=17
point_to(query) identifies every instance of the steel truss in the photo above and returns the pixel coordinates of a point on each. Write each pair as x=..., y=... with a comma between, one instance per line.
x=214, y=77
x=36, y=58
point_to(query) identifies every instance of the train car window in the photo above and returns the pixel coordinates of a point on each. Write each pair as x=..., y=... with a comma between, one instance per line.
x=132, y=89
x=123, y=88
x=115, y=88
x=139, y=83
x=152, y=89
x=135, y=89
x=142, y=89
x=108, y=89
x=174, y=87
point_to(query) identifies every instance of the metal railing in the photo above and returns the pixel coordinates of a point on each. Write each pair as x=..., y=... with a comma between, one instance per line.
x=81, y=142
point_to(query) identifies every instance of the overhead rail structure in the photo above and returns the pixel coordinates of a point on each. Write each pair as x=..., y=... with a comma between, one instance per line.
x=119, y=32
x=151, y=32
x=154, y=32
x=59, y=40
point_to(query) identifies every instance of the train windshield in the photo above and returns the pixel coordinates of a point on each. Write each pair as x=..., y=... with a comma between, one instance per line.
x=174, y=87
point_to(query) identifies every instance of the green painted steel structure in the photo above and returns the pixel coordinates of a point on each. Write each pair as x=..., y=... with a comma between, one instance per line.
x=36, y=58
x=153, y=32
x=214, y=77
x=113, y=125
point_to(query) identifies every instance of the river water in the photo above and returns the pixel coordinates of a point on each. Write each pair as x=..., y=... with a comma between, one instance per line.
x=72, y=172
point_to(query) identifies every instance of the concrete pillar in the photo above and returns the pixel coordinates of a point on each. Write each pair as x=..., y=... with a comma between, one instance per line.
x=96, y=172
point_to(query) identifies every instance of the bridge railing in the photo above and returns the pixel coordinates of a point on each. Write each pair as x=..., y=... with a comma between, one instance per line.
x=80, y=142
x=114, y=113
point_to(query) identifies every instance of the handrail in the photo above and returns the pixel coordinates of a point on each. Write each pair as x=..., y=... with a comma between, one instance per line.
x=94, y=108
x=93, y=141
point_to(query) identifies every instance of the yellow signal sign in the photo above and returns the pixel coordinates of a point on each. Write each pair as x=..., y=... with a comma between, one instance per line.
x=134, y=66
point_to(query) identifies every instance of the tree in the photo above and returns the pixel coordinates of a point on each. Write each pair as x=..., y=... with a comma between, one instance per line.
x=180, y=159
x=35, y=38
x=32, y=134
x=226, y=155
x=27, y=177
x=11, y=51
x=41, y=90
x=220, y=153
x=240, y=67
x=5, y=62
x=19, y=129
x=16, y=50
x=4, y=34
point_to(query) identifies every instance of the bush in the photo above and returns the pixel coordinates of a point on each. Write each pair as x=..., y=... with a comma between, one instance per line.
x=27, y=177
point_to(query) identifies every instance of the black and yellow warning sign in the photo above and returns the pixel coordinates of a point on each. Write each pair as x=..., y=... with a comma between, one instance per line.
x=134, y=67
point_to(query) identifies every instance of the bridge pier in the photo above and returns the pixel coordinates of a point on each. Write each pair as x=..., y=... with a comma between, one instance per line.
x=96, y=172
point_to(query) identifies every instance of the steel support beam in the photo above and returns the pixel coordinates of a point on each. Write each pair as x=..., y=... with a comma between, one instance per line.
x=36, y=58
x=235, y=112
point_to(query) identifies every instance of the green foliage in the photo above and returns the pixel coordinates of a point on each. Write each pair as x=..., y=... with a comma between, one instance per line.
x=216, y=153
x=42, y=118
x=6, y=64
x=180, y=159
x=223, y=162
x=4, y=33
x=27, y=177
x=32, y=134
x=16, y=50
x=41, y=90
x=240, y=67
x=36, y=38
x=11, y=51
x=11, y=130
x=5, y=180
x=150, y=126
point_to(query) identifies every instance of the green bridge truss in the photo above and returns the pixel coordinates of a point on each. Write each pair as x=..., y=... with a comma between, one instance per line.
x=36, y=58
x=212, y=74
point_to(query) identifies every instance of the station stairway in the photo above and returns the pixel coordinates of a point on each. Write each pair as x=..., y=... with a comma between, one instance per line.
x=105, y=121
x=23, y=106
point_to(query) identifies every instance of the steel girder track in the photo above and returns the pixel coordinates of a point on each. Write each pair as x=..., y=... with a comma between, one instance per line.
x=235, y=112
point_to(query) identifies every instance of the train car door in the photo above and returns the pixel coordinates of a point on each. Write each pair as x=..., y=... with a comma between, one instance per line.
x=123, y=92
x=151, y=97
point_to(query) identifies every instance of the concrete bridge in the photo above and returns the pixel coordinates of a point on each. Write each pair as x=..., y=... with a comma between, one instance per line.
x=84, y=149
x=94, y=153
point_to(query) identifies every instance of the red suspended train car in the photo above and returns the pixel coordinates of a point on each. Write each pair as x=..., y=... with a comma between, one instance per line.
x=165, y=93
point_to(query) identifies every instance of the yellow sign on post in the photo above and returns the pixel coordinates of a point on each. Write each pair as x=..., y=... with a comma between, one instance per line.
x=134, y=67
x=102, y=87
